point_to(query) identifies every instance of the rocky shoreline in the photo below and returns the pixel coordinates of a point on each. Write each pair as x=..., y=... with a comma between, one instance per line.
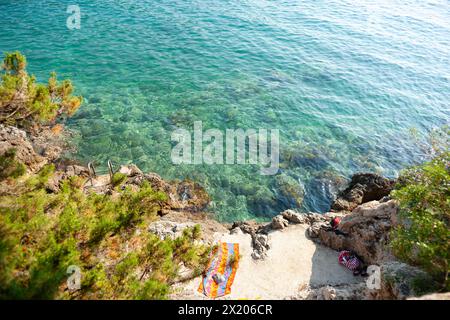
x=366, y=212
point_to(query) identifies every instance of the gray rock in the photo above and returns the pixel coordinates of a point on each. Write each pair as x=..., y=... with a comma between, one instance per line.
x=76, y=170
x=165, y=229
x=278, y=222
x=364, y=231
x=14, y=138
x=256, y=255
x=328, y=293
x=258, y=232
x=236, y=231
x=314, y=229
x=261, y=242
x=293, y=217
x=251, y=227
x=364, y=187
x=356, y=291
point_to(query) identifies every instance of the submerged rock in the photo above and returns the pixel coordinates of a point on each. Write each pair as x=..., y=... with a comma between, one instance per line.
x=364, y=187
x=433, y=296
x=291, y=190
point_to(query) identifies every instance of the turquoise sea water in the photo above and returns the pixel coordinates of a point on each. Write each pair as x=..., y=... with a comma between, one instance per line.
x=343, y=81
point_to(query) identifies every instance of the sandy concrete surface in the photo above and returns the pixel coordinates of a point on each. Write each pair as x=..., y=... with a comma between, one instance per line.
x=293, y=263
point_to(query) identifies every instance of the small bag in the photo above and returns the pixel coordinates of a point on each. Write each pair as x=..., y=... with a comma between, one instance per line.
x=350, y=261
x=218, y=278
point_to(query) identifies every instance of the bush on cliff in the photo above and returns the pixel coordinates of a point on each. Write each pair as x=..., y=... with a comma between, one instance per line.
x=423, y=237
x=26, y=103
x=43, y=233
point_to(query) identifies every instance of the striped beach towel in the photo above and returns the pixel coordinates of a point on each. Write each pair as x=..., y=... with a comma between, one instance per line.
x=221, y=270
x=348, y=260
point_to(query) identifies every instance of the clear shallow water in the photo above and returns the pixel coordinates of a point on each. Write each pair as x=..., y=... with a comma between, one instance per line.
x=343, y=81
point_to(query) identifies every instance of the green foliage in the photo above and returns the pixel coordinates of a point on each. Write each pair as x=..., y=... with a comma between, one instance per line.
x=42, y=234
x=423, y=237
x=118, y=178
x=148, y=272
x=152, y=290
x=9, y=166
x=115, y=215
x=422, y=286
x=25, y=103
